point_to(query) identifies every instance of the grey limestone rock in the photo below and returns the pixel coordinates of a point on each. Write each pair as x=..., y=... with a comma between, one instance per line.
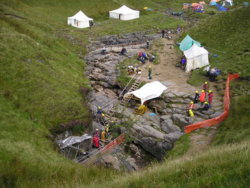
x=180, y=120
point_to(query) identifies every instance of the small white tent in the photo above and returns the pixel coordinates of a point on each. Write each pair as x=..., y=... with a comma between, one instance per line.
x=80, y=20
x=196, y=57
x=124, y=13
x=227, y=2
x=149, y=91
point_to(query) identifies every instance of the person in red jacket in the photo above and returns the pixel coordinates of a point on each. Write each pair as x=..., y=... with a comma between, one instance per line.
x=202, y=96
x=96, y=142
x=210, y=97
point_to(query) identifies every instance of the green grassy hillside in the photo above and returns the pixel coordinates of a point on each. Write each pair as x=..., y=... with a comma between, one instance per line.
x=28, y=157
x=225, y=166
x=42, y=86
x=228, y=36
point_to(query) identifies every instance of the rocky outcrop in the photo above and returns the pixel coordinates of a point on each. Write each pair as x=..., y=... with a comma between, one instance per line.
x=167, y=125
x=126, y=39
x=156, y=147
x=153, y=134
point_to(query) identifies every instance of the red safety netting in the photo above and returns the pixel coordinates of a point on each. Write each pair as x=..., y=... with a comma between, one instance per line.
x=114, y=143
x=220, y=118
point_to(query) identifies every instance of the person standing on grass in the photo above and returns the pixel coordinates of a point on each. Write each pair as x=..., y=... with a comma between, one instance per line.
x=162, y=33
x=205, y=86
x=178, y=29
x=210, y=97
x=149, y=72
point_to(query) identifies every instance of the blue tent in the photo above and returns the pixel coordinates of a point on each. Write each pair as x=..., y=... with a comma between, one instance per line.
x=187, y=43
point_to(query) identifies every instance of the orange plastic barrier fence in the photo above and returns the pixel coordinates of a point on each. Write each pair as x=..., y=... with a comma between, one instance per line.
x=220, y=118
x=114, y=143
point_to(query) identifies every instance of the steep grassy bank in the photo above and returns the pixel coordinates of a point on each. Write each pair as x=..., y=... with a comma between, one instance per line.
x=226, y=36
x=225, y=166
x=28, y=157
x=236, y=127
x=41, y=80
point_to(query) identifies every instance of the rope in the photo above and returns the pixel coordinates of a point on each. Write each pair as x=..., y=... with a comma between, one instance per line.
x=215, y=50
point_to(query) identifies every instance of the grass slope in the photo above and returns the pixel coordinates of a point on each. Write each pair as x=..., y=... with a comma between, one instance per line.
x=41, y=75
x=225, y=166
x=236, y=127
x=28, y=158
x=228, y=36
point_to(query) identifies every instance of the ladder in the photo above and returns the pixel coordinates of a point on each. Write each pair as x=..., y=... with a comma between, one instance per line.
x=127, y=98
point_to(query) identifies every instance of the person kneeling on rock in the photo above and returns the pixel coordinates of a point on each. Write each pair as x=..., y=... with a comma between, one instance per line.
x=123, y=51
x=206, y=106
x=190, y=113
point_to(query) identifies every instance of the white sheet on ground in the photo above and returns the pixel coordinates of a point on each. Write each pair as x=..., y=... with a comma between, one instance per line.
x=73, y=140
x=149, y=91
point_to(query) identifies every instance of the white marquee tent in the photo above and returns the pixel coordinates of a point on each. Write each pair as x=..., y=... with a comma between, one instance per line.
x=196, y=57
x=80, y=20
x=124, y=13
x=149, y=91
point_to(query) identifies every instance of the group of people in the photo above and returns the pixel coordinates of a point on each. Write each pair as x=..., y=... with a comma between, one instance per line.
x=132, y=70
x=101, y=135
x=205, y=98
x=143, y=56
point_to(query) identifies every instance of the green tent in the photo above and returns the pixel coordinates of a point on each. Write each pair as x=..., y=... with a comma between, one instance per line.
x=187, y=43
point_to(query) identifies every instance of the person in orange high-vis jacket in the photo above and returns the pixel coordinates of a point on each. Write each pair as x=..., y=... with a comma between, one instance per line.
x=202, y=96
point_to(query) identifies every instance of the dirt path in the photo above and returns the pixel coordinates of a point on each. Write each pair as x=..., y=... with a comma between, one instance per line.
x=200, y=140
x=166, y=71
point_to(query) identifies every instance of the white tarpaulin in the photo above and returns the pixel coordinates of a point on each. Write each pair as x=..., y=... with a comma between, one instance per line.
x=73, y=140
x=124, y=13
x=149, y=91
x=196, y=57
x=80, y=20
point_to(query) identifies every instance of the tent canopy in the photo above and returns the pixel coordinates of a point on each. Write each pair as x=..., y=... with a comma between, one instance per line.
x=124, y=10
x=195, y=51
x=149, y=91
x=124, y=13
x=187, y=43
x=80, y=20
x=80, y=16
x=196, y=57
